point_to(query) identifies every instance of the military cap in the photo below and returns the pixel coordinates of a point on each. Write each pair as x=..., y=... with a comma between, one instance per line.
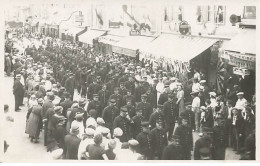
x=240, y=93
x=145, y=124
x=58, y=109
x=144, y=96
x=112, y=101
x=203, y=81
x=78, y=115
x=203, y=107
x=123, y=109
x=105, y=130
x=212, y=94
x=95, y=95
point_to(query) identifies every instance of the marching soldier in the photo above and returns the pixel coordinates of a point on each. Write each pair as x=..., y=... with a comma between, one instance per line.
x=158, y=139
x=170, y=113
x=219, y=140
x=122, y=89
x=117, y=97
x=144, y=140
x=205, y=141
x=174, y=150
x=137, y=120
x=128, y=96
x=145, y=107
x=124, y=122
x=109, y=114
x=186, y=138
x=96, y=105
x=158, y=114
x=130, y=108
x=190, y=116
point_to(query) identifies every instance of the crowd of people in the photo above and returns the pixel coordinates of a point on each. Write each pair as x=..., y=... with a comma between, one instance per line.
x=93, y=107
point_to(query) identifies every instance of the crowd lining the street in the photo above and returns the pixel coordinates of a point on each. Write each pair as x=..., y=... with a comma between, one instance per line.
x=113, y=107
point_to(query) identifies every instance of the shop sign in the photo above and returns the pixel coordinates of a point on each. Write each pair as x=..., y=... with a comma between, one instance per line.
x=241, y=60
x=184, y=27
x=79, y=18
x=241, y=71
x=115, y=24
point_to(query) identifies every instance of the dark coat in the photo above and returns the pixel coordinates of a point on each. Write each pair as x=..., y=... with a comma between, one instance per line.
x=109, y=115
x=159, y=141
x=203, y=142
x=125, y=125
x=119, y=100
x=71, y=147
x=170, y=112
x=154, y=117
x=163, y=98
x=18, y=89
x=137, y=128
x=186, y=137
x=146, y=110
x=173, y=152
x=145, y=144
x=103, y=97
x=65, y=105
x=95, y=105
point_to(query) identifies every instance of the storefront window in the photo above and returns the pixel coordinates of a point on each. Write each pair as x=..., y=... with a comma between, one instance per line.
x=219, y=16
x=249, y=12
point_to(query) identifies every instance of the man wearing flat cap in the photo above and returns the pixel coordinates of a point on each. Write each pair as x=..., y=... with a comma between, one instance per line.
x=110, y=113
x=18, y=91
x=145, y=107
x=93, y=88
x=174, y=150
x=170, y=109
x=78, y=110
x=124, y=122
x=186, y=137
x=158, y=139
x=241, y=101
x=117, y=97
x=137, y=120
x=205, y=141
x=128, y=96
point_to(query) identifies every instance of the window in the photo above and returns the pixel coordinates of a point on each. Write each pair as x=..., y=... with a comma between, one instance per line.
x=173, y=13
x=219, y=14
x=249, y=12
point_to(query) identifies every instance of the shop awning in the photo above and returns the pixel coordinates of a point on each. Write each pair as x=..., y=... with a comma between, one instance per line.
x=244, y=42
x=88, y=36
x=134, y=42
x=74, y=31
x=177, y=47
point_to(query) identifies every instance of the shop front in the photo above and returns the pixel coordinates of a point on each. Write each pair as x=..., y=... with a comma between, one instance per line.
x=240, y=56
x=181, y=54
x=107, y=43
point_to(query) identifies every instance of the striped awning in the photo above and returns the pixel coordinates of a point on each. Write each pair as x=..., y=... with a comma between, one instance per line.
x=88, y=36
x=178, y=47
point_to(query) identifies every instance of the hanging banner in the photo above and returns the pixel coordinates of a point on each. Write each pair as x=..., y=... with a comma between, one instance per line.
x=241, y=60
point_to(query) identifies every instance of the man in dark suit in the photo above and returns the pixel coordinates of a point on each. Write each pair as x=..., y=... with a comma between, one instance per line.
x=67, y=103
x=103, y=96
x=109, y=114
x=18, y=91
x=72, y=144
x=96, y=105
x=170, y=113
x=186, y=137
x=117, y=97
x=174, y=150
x=189, y=114
x=157, y=114
x=70, y=85
x=137, y=121
x=144, y=139
x=158, y=140
x=145, y=107
x=124, y=122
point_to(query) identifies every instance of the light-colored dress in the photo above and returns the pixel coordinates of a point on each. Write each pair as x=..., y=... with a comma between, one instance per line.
x=180, y=95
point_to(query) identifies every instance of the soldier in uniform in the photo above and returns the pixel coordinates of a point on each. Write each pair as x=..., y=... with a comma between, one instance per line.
x=103, y=96
x=117, y=97
x=144, y=139
x=186, y=137
x=158, y=139
x=157, y=114
x=96, y=105
x=174, y=150
x=145, y=107
x=219, y=140
x=122, y=89
x=137, y=120
x=127, y=97
x=130, y=108
x=130, y=84
x=124, y=122
x=205, y=141
x=109, y=114
x=190, y=115
x=92, y=89
x=67, y=103
x=170, y=113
